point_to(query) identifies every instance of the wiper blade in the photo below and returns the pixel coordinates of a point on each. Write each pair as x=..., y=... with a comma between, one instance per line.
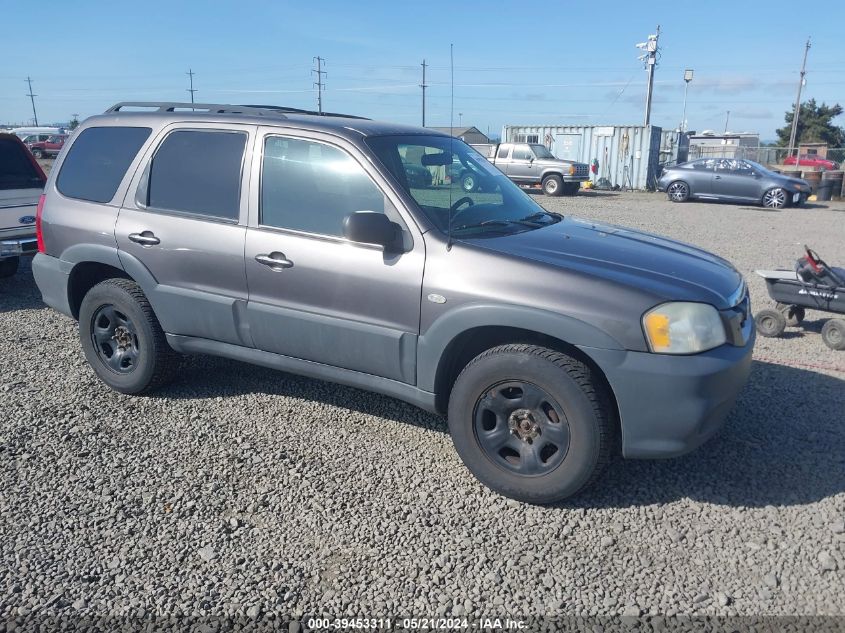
x=539, y=215
x=485, y=223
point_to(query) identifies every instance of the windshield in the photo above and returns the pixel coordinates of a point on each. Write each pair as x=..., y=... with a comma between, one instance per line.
x=541, y=151
x=446, y=177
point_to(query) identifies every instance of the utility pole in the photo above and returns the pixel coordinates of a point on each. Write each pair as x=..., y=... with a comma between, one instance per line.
x=32, y=98
x=190, y=74
x=727, y=118
x=423, y=85
x=688, y=73
x=460, y=119
x=794, y=133
x=649, y=58
x=319, y=83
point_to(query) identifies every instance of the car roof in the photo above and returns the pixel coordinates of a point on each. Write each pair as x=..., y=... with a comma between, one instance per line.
x=354, y=128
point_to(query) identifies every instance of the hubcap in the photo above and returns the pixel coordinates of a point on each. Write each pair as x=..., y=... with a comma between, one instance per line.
x=551, y=185
x=115, y=339
x=521, y=428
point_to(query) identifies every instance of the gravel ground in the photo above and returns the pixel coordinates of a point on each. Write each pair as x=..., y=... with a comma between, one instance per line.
x=239, y=490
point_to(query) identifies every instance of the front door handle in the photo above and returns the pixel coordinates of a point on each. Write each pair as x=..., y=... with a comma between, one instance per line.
x=718, y=177
x=145, y=238
x=275, y=261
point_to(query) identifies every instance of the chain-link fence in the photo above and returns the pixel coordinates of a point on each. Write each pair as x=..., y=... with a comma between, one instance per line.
x=764, y=155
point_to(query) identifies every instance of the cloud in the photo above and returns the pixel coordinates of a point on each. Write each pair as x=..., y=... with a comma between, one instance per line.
x=752, y=113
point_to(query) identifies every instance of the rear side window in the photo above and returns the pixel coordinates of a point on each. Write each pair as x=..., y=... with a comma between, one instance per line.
x=17, y=170
x=198, y=172
x=503, y=151
x=98, y=160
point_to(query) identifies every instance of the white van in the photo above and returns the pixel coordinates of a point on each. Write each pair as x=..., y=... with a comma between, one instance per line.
x=24, y=133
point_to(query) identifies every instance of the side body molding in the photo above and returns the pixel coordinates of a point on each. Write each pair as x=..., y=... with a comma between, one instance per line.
x=450, y=325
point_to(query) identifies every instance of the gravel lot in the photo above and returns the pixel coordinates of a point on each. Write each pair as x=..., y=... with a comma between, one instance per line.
x=242, y=490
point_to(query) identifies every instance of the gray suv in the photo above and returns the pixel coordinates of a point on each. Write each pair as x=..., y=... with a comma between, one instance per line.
x=298, y=242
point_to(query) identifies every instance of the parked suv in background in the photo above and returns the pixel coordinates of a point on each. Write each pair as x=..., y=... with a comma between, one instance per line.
x=51, y=147
x=298, y=242
x=21, y=183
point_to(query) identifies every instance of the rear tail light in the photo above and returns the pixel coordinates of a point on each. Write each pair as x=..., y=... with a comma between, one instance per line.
x=39, y=234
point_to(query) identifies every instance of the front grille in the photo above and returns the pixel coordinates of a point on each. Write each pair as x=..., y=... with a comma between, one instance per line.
x=582, y=171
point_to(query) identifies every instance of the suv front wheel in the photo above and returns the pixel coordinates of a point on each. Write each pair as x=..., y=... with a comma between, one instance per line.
x=122, y=339
x=531, y=423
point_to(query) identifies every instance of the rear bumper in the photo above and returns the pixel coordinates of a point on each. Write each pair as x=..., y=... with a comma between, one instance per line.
x=51, y=276
x=17, y=246
x=670, y=405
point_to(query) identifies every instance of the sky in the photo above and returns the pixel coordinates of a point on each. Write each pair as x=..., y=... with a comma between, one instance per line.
x=515, y=63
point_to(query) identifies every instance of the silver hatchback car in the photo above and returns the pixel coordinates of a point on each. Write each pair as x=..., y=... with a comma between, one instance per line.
x=302, y=242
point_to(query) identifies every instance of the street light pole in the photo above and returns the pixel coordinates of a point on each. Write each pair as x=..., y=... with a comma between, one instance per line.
x=687, y=78
x=794, y=132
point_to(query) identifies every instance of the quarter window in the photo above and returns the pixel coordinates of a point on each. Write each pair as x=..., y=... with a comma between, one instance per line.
x=503, y=151
x=198, y=172
x=98, y=160
x=311, y=187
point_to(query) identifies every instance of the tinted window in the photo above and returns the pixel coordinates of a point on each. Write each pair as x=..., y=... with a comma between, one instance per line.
x=503, y=151
x=312, y=187
x=16, y=168
x=97, y=161
x=198, y=172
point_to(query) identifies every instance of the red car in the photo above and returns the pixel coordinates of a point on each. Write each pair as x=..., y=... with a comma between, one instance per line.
x=50, y=147
x=810, y=160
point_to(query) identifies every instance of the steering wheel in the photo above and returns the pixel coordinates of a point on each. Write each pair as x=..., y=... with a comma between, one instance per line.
x=460, y=202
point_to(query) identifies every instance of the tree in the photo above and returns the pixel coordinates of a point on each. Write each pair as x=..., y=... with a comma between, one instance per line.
x=815, y=125
x=74, y=122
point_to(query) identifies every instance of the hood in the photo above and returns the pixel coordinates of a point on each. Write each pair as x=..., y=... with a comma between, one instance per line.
x=665, y=268
x=556, y=161
x=788, y=180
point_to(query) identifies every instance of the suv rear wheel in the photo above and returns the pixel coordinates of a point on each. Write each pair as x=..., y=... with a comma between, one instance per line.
x=531, y=423
x=122, y=339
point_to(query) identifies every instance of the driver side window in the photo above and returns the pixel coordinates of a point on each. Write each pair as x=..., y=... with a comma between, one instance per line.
x=522, y=153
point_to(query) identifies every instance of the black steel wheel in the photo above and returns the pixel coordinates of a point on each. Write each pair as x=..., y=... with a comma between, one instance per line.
x=793, y=314
x=770, y=322
x=532, y=423
x=678, y=191
x=122, y=338
x=833, y=334
x=521, y=428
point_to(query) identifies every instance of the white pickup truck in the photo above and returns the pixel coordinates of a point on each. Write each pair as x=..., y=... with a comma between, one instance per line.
x=21, y=183
x=532, y=165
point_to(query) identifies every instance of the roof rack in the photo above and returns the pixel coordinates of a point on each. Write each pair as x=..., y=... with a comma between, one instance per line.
x=219, y=108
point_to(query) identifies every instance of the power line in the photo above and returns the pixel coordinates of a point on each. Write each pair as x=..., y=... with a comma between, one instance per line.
x=32, y=98
x=190, y=74
x=423, y=85
x=319, y=83
x=794, y=132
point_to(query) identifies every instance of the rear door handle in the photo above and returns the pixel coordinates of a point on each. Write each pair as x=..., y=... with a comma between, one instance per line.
x=145, y=238
x=275, y=261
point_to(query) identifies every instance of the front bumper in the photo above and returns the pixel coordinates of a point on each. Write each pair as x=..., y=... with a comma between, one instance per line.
x=15, y=247
x=670, y=405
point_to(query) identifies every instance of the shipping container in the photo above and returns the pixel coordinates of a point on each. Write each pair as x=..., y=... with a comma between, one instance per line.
x=628, y=155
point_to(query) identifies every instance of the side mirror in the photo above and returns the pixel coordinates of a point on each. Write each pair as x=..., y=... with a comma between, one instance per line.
x=369, y=227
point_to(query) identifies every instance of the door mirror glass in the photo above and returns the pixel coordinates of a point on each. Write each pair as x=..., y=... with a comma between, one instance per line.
x=369, y=227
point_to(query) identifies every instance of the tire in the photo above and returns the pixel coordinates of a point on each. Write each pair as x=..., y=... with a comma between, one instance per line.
x=38, y=153
x=775, y=198
x=678, y=191
x=793, y=314
x=552, y=185
x=571, y=188
x=9, y=266
x=770, y=322
x=531, y=423
x=469, y=183
x=833, y=334
x=122, y=338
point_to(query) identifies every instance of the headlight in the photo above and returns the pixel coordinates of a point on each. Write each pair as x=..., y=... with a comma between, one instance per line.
x=572, y=170
x=683, y=328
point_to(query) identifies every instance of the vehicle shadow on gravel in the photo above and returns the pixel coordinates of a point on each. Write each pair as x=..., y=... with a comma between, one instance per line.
x=19, y=291
x=783, y=444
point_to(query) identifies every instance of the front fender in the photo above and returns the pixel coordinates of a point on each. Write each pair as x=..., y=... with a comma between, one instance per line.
x=435, y=341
